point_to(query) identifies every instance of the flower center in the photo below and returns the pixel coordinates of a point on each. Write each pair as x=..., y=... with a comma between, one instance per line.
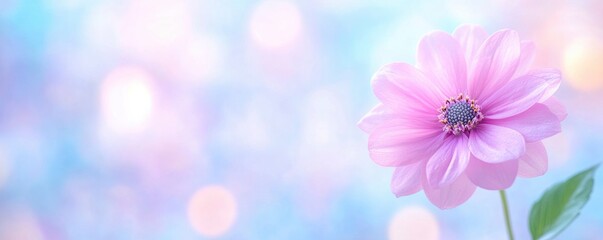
x=460, y=114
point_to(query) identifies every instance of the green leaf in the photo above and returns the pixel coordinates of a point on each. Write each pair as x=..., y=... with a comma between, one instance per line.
x=560, y=205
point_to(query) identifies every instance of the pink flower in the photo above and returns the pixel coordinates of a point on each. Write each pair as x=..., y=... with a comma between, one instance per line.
x=469, y=114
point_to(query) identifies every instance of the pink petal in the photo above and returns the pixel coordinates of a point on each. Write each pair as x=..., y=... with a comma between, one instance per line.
x=520, y=94
x=494, y=64
x=556, y=108
x=535, y=162
x=394, y=144
x=495, y=144
x=452, y=195
x=441, y=57
x=527, y=56
x=492, y=176
x=471, y=38
x=553, y=85
x=376, y=116
x=407, y=179
x=403, y=88
x=448, y=162
x=534, y=124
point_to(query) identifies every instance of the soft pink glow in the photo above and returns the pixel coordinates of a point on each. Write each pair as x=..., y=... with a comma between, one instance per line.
x=414, y=222
x=212, y=211
x=582, y=63
x=126, y=99
x=150, y=28
x=20, y=224
x=275, y=24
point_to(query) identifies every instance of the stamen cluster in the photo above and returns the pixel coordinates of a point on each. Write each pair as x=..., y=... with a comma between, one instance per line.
x=460, y=114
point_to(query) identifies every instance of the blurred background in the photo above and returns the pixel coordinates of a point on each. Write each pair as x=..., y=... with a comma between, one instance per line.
x=234, y=119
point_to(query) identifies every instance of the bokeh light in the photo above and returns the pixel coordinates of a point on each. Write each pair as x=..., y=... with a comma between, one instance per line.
x=151, y=28
x=212, y=210
x=414, y=222
x=126, y=99
x=275, y=24
x=582, y=64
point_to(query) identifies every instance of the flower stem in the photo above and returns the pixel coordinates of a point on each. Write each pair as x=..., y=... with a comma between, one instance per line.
x=503, y=198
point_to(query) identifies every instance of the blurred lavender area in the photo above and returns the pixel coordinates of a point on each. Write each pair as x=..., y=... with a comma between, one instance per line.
x=186, y=119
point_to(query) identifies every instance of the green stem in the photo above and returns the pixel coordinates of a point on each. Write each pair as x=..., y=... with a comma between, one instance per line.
x=503, y=198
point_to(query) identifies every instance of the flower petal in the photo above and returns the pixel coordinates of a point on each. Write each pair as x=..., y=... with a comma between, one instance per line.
x=406, y=90
x=534, y=124
x=471, y=38
x=448, y=162
x=441, y=57
x=407, y=179
x=552, y=86
x=376, y=116
x=492, y=176
x=556, y=107
x=452, y=195
x=526, y=57
x=520, y=94
x=394, y=144
x=535, y=162
x=495, y=63
x=495, y=144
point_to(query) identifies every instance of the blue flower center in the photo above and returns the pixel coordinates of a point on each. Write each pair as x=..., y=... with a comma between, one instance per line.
x=460, y=112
